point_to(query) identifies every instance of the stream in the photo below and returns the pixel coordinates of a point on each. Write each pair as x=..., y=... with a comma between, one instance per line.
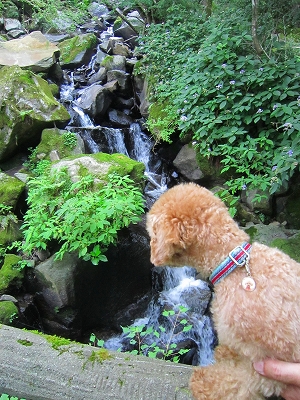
x=176, y=290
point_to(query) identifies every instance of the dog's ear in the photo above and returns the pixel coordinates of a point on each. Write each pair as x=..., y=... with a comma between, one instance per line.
x=182, y=233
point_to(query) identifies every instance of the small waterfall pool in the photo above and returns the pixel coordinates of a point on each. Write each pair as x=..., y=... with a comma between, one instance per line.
x=188, y=298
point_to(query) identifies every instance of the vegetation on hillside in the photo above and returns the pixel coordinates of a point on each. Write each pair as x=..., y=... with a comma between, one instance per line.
x=229, y=84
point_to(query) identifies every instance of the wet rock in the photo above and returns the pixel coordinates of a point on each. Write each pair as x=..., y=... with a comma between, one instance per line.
x=98, y=77
x=186, y=164
x=33, y=51
x=119, y=118
x=77, y=50
x=123, y=79
x=11, y=24
x=94, y=100
x=116, y=46
x=129, y=32
x=28, y=107
x=114, y=63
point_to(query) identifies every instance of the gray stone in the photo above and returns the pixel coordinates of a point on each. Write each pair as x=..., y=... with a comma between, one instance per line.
x=94, y=100
x=187, y=165
x=33, y=51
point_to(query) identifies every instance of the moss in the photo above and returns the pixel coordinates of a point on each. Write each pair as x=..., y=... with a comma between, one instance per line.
x=10, y=233
x=8, y=311
x=54, y=139
x=252, y=232
x=11, y=276
x=25, y=342
x=10, y=190
x=290, y=246
x=97, y=356
x=70, y=48
x=118, y=163
x=106, y=63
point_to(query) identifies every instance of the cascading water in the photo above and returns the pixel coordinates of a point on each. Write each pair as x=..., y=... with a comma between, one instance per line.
x=178, y=285
x=180, y=289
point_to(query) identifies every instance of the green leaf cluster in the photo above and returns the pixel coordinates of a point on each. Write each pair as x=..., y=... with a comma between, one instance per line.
x=77, y=216
x=214, y=91
x=163, y=346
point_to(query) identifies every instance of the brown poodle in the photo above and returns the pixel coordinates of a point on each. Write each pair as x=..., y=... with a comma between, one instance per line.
x=256, y=305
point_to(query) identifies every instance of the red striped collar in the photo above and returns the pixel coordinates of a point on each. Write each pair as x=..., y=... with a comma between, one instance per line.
x=236, y=258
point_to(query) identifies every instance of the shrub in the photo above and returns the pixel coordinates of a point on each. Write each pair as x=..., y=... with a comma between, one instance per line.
x=77, y=216
x=238, y=108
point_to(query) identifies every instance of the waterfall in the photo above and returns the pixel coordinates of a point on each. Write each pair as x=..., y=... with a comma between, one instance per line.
x=115, y=141
x=173, y=288
x=180, y=289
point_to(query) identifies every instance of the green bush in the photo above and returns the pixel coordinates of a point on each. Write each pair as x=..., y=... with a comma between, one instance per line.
x=233, y=106
x=78, y=216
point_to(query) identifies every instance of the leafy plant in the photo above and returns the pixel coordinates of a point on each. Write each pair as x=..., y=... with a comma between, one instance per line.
x=6, y=216
x=163, y=347
x=5, y=396
x=69, y=139
x=235, y=107
x=34, y=165
x=77, y=216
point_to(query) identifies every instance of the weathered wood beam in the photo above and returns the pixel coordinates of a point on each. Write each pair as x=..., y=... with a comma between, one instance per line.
x=36, y=367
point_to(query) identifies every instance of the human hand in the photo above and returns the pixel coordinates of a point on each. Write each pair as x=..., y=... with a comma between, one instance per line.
x=282, y=371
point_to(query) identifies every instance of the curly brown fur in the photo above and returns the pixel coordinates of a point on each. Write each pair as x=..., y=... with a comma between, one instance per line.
x=188, y=225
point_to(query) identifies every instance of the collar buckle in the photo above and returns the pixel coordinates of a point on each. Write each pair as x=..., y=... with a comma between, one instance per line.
x=237, y=250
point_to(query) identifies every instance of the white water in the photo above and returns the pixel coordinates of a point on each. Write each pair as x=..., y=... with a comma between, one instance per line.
x=178, y=282
x=115, y=141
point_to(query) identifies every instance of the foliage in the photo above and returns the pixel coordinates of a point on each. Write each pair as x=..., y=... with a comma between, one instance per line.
x=238, y=108
x=55, y=14
x=76, y=215
x=6, y=216
x=34, y=165
x=5, y=396
x=69, y=139
x=156, y=10
x=163, y=347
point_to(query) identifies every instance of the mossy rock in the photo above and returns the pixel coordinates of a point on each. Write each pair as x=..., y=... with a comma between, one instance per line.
x=65, y=143
x=28, y=107
x=11, y=276
x=290, y=246
x=8, y=312
x=10, y=190
x=10, y=233
x=73, y=50
x=101, y=165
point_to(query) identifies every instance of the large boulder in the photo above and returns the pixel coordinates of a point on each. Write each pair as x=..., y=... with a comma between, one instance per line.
x=27, y=107
x=77, y=50
x=129, y=27
x=11, y=189
x=56, y=144
x=95, y=100
x=33, y=51
x=187, y=165
x=101, y=165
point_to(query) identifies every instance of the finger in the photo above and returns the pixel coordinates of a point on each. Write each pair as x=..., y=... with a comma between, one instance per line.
x=279, y=370
x=291, y=393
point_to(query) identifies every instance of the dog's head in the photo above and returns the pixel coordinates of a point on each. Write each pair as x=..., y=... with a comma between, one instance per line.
x=188, y=225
